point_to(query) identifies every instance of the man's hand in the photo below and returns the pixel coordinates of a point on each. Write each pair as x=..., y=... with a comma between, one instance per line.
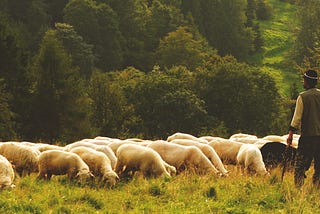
x=289, y=141
x=290, y=137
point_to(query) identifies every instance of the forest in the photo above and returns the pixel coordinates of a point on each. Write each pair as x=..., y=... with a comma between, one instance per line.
x=73, y=69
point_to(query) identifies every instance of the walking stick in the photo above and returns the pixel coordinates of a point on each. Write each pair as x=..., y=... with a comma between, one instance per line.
x=285, y=161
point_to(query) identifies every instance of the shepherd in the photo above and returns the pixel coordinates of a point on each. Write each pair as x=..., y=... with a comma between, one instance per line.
x=306, y=117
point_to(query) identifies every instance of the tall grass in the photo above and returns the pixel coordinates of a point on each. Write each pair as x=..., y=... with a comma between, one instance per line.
x=184, y=193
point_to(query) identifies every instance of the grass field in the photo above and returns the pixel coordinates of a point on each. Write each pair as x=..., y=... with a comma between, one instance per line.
x=184, y=193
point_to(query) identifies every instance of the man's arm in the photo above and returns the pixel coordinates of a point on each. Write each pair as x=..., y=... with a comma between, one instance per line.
x=296, y=120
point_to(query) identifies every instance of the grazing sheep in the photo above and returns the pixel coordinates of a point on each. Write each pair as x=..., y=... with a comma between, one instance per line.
x=71, y=146
x=55, y=162
x=226, y=149
x=250, y=159
x=207, y=150
x=23, y=158
x=105, y=138
x=244, y=138
x=183, y=157
x=109, y=153
x=208, y=138
x=44, y=147
x=132, y=158
x=274, y=154
x=116, y=144
x=261, y=142
x=6, y=173
x=98, y=163
x=98, y=142
x=101, y=148
x=275, y=138
x=242, y=135
x=179, y=135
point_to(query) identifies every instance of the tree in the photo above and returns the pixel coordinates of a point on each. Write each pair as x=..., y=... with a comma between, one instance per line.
x=258, y=40
x=308, y=33
x=98, y=24
x=81, y=52
x=181, y=47
x=55, y=9
x=252, y=23
x=250, y=12
x=31, y=17
x=60, y=104
x=109, y=110
x=7, y=131
x=311, y=62
x=133, y=15
x=264, y=10
x=243, y=97
x=13, y=63
x=165, y=105
x=223, y=24
x=163, y=18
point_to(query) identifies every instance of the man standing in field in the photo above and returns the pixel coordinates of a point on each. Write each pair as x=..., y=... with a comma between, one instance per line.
x=307, y=118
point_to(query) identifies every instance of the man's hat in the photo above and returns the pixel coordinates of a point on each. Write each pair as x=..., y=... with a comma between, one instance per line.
x=311, y=74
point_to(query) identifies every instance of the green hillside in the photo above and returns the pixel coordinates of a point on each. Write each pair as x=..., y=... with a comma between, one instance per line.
x=278, y=41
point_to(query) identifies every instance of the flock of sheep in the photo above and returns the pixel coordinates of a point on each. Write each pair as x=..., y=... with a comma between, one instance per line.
x=109, y=159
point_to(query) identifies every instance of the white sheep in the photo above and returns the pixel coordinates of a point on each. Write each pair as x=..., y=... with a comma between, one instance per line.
x=101, y=148
x=98, y=163
x=6, y=173
x=44, y=147
x=242, y=135
x=105, y=138
x=183, y=157
x=207, y=151
x=179, y=135
x=275, y=138
x=73, y=145
x=110, y=154
x=23, y=158
x=245, y=138
x=250, y=159
x=132, y=158
x=208, y=138
x=226, y=149
x=56, y=162
x=97, y=142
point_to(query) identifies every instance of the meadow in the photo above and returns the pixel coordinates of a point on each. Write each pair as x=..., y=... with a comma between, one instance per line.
x=183, y=193
x=186, y=192
x=278, y=34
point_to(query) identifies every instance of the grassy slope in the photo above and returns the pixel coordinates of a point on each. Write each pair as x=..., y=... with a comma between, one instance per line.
x=278, y=38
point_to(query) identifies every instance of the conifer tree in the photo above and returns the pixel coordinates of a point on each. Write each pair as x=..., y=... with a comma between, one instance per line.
x=60, y=104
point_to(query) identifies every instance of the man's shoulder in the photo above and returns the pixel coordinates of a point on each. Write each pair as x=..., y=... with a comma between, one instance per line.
x=310, y=91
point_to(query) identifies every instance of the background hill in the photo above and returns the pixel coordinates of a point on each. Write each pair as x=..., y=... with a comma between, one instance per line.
x=278, y=36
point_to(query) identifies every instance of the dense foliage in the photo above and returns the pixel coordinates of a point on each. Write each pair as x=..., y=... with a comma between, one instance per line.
x=121, y=68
